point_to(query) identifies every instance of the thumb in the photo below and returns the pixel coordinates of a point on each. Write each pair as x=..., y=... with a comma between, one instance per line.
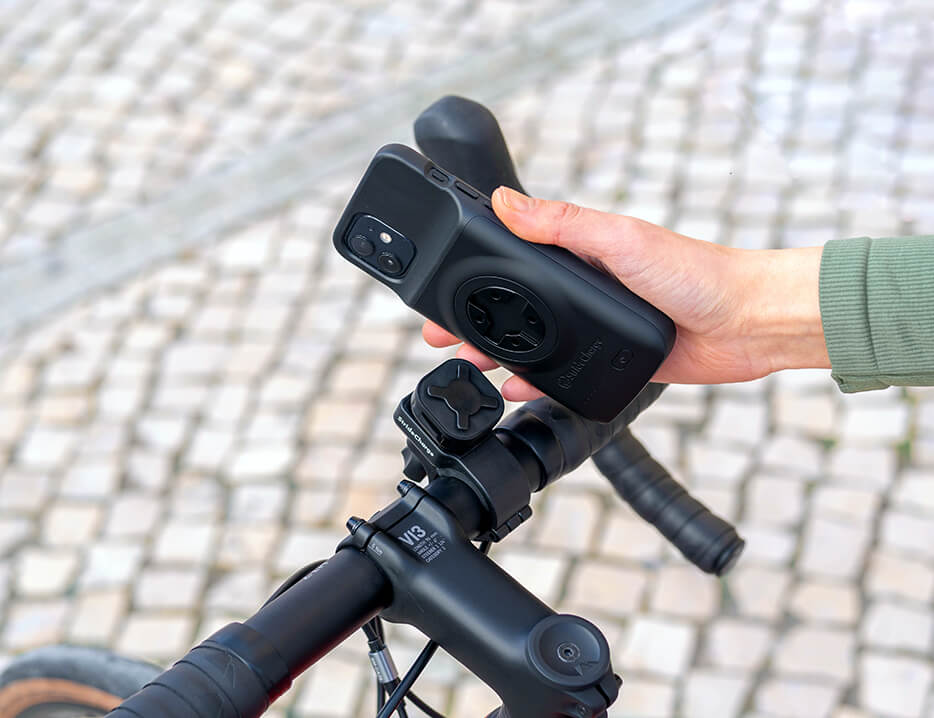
x=581, y=230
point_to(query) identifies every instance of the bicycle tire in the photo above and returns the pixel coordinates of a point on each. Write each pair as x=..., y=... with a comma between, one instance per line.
x=69, y=682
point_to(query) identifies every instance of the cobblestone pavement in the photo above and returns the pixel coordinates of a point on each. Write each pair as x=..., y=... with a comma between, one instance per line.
x=114, y=103
x=172, y=448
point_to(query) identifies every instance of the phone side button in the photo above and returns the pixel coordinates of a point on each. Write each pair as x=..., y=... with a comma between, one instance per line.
x=469, y=191
x=622, y=359
x=438, y=176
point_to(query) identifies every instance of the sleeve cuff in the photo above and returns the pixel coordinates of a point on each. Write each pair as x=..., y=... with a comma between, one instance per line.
x=844, y=314
x=877, y=311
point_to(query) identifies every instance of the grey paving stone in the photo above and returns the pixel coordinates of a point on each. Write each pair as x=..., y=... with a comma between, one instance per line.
x=155, y=636
x=889, y=625
x=568, y=521
x=644, y=697
x=840, y=503
x=889, y=574
x=773, y=501
x=118, y=418
x=788, y=698
x=833, y=549
x=823, y=602
x=758, y=592
x=167, y=588
x=657, y=645
x=44, y=572
x=96, y=617
x=714, y=693
x=605, y=588
x=737, y=644
x=110, y=564
x=894, y=685
x=684, y=591
x=31, y=624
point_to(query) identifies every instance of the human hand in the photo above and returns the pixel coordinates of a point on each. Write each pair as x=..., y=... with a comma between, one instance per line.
x=740, y=314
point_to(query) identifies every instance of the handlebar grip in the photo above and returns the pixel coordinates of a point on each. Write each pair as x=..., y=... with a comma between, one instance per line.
x=214, y=680
x=562, y=440
x=706, y=540
x=464, y=137
x=240, y=670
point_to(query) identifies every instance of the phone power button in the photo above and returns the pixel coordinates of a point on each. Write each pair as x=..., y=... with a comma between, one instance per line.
x=622, y=359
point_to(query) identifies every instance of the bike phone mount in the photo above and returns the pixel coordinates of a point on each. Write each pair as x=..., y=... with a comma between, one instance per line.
x=540, y=663
x=415, y=560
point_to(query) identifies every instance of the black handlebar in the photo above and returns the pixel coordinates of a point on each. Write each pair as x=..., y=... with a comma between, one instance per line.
x=463, y=136
x=562, y=440
x=241, y=669
x=702, y=537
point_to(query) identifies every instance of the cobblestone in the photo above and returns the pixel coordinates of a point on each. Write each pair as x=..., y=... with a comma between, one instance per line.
x=816, y=652
x=840, y=503
x=644, y=697
x=683, y=591
x=97, y=616
x=44, y=572
x=173, y=446
x=737, y=644
x=34, y=624
x=759, y=592
x=888, y=625
x=155, y=637
x=543, y=573
x=632, y=539
x=657, y=645
x=773, y=501
x=825, y=602
x=712, y=694
x=892, y=575
x=895, y=685
x=833, y=549
x=568, y=522
x=787, y=698
x=605, y=588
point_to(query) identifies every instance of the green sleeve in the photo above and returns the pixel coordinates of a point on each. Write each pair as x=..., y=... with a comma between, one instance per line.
x=877, y=309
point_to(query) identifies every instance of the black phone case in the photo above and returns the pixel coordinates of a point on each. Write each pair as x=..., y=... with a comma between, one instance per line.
x=566, y=327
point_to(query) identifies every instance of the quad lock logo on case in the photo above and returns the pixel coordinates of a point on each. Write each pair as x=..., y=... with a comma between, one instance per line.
x=579, y=364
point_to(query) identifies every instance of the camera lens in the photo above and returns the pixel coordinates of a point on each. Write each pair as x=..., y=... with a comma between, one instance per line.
x=389, y=263
x=361, y=246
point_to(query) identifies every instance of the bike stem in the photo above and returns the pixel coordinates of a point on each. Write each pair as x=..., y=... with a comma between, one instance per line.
x=540, y=663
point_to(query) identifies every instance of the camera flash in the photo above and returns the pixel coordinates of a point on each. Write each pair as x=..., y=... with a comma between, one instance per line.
x=385, y=237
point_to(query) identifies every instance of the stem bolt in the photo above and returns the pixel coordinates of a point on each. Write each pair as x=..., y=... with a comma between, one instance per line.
x=353, y=523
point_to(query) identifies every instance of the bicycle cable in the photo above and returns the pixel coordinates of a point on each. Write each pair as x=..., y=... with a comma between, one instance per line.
x=397, y=690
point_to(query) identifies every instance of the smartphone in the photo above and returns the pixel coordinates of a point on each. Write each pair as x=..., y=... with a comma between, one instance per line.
x=561, y=324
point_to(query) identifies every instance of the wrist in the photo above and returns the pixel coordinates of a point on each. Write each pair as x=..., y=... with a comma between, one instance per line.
x=783, y=317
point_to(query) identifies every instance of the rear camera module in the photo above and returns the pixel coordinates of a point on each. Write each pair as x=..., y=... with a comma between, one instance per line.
x=382, y=248
x=389, y=263
x=361, y=246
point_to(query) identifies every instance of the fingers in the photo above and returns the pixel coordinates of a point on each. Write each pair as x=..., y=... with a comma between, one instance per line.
x=585, y=231
x=437, y=336
x=513, y=389
x=516, y=389
x=476, y=357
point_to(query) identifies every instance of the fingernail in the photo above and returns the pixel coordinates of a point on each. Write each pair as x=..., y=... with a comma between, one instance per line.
x=515, y=200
